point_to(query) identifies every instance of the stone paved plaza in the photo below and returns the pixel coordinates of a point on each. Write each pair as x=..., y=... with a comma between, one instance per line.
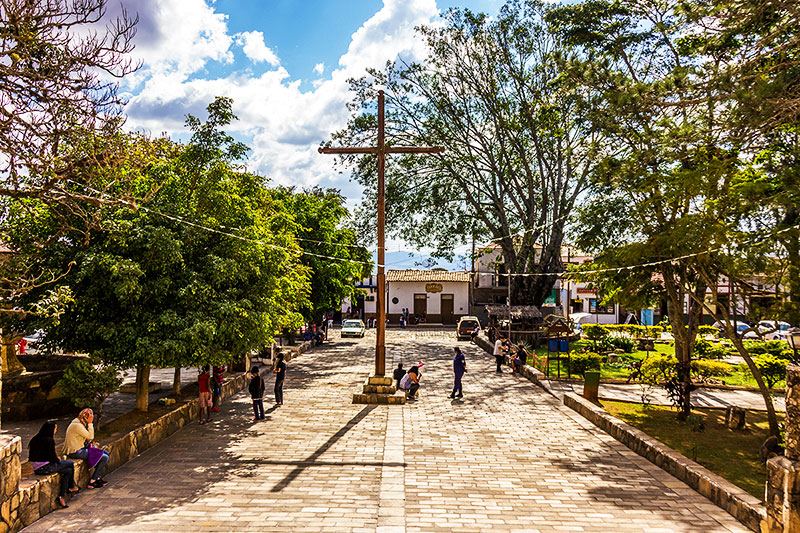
x=509, y=457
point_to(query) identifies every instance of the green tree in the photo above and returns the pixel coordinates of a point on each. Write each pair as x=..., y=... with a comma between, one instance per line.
x=163, y=285
x=517, y=149
x=88, y=383
x=668, y=193
x=331, y=251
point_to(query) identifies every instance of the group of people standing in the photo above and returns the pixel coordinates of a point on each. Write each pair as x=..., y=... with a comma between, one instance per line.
x=79, y=443
x=210, y=387
x=257, y=386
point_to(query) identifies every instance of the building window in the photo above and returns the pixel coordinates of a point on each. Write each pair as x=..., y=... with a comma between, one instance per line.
x=370, y=298
x=600, y=309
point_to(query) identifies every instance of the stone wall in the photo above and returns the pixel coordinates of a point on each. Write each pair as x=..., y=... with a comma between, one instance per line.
x=25, y=499
x=738, y=502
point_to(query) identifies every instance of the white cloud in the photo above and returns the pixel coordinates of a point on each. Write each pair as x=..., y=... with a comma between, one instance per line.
x=253, y=45
x=283, y=123
x=319, y=68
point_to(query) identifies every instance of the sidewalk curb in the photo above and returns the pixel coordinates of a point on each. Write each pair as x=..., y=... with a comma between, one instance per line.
x=739, y=503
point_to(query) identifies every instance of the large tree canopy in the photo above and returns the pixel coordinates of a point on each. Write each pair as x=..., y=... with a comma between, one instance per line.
x=517, y=148
x=331, y=250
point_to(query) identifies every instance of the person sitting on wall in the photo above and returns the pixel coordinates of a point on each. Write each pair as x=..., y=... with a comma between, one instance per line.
x=42, y=456
x=79, y=444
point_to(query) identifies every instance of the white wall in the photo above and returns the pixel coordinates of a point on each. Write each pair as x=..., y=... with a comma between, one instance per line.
x=404, y=291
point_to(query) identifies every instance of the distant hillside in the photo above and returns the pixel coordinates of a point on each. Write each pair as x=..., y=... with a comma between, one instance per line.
x=403, y=260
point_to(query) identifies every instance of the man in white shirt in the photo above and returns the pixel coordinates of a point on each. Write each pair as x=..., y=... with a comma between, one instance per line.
x=499, y=352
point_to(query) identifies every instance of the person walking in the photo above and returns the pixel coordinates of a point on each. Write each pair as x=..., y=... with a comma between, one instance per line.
x=499, y=352
x=205, y=394
x=42, y=456
x=79, y=444
x=280, y=375
x=459, y=368
x=256, y=389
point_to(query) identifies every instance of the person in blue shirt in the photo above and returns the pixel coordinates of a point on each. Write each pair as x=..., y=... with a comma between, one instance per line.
x=459, y=368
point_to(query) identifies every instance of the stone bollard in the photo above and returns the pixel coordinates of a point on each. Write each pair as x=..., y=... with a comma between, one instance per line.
x=591, y=385
x=783, y=473
x=735, y=417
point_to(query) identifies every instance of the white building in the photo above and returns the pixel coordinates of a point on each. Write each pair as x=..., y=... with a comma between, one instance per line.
x=438, y=296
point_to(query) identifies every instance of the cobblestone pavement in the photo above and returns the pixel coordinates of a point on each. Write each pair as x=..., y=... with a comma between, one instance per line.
x=509, y=457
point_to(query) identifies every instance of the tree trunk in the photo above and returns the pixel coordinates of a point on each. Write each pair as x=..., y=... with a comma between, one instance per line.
x=98, y=411
x=176, y=381
x=774, y=429
x=142, y=388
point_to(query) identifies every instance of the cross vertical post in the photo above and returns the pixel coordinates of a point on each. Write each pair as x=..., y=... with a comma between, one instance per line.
x=380, y=150
x=381, y=304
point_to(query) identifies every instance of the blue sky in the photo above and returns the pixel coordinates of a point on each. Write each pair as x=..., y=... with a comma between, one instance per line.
x=285, y=63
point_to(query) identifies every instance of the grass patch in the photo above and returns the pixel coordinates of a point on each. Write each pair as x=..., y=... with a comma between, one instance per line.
x=732, y=454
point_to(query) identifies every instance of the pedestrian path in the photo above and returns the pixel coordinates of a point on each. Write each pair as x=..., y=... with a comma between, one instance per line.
x=509, y=457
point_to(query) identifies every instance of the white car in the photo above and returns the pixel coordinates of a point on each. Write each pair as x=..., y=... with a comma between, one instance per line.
x=740, y=327
x=781, y=334
x=353, y=328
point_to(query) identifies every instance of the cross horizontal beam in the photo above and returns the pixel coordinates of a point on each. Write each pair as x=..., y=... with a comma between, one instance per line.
x=386, y=150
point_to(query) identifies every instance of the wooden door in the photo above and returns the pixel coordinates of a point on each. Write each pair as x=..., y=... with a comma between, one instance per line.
x=420, y=305
x=447, y=309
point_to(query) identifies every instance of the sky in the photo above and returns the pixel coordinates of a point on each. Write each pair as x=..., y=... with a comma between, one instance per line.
x=285, y=63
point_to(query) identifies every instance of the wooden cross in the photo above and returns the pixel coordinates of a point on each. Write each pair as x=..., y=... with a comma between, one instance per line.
x=381, y=150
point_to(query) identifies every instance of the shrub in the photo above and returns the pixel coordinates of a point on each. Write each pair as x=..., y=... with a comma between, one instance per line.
x=708, y=330
x=579, y=363
x=776, y=348
x=626, y=344
x=773, y=369
x=595, y=332
x=708, y=350
x=88, y=385
x=653, y=332
x=659, y=366
x=711, y=369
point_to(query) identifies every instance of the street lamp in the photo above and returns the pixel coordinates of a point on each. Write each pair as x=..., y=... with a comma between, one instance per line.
x=794, y=341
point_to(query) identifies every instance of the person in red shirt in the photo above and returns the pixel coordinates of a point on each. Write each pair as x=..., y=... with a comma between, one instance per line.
x=205, y=394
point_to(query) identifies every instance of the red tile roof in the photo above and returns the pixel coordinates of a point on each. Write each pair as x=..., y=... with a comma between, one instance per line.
x=427, y=275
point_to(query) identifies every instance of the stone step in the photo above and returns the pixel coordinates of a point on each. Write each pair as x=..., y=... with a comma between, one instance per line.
x=379, y=380
x=379, y=389
x=399, y=398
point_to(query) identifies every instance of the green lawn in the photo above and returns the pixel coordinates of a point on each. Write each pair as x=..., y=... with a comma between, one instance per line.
x=739, y=375
x=734, y=455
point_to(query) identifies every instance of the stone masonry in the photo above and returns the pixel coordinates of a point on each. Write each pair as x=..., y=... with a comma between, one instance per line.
x=783, y=472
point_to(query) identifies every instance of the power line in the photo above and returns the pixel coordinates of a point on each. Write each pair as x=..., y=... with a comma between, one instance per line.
x=182, y=220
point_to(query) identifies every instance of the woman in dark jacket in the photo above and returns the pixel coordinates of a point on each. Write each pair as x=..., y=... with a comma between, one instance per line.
x=45, y=461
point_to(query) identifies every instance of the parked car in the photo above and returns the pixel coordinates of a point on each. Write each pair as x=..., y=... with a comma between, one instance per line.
x=353, y=328
x=740, y=327
x=466, y=325
x=780, y=334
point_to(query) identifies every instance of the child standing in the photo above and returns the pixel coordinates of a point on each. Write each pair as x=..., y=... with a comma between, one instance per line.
x=257, y=393
x=218, y=379
x=205, y=394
